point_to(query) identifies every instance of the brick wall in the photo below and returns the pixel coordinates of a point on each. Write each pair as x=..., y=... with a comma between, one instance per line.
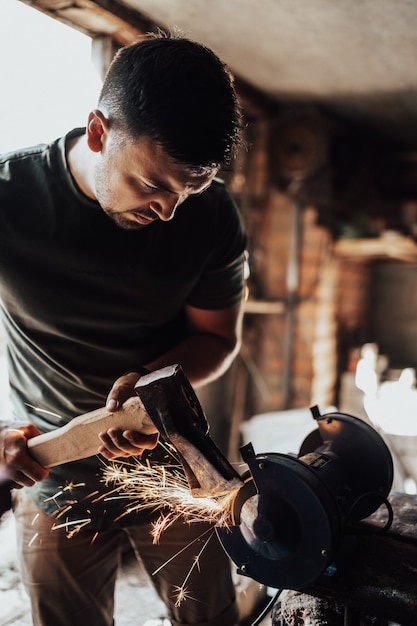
x=290, y=355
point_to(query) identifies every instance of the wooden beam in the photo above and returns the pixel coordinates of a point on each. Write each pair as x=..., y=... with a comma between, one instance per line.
x=97, y=18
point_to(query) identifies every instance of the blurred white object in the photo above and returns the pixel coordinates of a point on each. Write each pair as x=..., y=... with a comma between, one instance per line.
x=279, y=431
x=390, y=405
x=366, y=378
x=394, y=406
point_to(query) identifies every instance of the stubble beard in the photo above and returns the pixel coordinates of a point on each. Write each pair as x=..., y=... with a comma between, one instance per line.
x=104, y=197
x=121, y=221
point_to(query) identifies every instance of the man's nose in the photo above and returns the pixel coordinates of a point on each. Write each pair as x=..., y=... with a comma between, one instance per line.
x=165, y=206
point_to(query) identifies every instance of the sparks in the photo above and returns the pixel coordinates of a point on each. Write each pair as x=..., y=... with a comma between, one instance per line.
x=164, y=488
x=76, y=526
x=38, y=410
x=182, y=591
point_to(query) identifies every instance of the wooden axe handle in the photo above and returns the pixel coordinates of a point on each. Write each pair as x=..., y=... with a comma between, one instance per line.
x=79, y=438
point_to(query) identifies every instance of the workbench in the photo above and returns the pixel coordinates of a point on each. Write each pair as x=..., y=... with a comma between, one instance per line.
x=375, y=582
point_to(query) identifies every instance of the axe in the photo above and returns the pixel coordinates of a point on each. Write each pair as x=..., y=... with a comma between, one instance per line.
x=165, y=402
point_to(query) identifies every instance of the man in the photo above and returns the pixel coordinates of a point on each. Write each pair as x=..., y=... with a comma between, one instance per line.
x=119, y=251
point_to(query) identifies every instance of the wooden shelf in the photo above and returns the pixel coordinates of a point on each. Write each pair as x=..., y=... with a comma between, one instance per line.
x=387, y=246
x=265, y=307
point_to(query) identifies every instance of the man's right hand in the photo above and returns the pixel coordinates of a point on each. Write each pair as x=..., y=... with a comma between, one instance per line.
x=22, y=470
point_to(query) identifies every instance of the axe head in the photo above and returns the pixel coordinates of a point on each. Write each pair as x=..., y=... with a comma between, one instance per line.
x=174, y=408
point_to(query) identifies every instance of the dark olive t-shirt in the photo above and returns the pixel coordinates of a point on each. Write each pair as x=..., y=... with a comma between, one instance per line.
x=83, y=301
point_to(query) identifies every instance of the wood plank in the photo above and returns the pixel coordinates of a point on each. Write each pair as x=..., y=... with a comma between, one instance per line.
x=389, y=246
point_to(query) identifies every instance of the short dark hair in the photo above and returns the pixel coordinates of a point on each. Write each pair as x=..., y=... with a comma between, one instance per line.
x=180, y=94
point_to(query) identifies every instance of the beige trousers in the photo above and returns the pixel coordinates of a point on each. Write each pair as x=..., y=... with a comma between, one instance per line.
x=71, y=582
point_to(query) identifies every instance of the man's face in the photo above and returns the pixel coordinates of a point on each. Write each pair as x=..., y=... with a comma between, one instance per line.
x=136, y=182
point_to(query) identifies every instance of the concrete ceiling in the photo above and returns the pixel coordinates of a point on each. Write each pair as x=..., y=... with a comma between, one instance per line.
x=357, y=56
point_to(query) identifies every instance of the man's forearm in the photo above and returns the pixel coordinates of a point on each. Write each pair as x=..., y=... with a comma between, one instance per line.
x=203, y=357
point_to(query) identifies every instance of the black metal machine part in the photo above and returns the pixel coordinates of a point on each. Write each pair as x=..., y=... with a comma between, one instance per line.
x=293, y=515
x=174, y=408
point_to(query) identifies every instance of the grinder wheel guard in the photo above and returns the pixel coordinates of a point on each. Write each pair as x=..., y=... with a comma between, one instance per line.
x=290, y=516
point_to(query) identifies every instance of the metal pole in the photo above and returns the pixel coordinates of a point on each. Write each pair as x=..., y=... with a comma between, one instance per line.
x=292, y=283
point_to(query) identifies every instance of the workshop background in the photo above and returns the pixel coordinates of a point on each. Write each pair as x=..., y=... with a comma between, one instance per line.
x=327, y=185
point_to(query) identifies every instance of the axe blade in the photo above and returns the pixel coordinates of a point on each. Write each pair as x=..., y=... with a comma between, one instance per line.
x=174, y=408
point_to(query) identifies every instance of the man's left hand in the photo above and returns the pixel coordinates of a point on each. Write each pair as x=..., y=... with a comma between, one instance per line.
x=123, y=443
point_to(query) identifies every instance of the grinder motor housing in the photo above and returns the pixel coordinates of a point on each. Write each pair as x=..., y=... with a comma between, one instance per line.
x=293, y=513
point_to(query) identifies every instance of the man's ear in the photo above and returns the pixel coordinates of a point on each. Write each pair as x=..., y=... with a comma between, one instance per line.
x=97, y=128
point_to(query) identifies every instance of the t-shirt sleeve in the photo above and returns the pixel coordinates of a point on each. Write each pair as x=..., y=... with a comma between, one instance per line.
x=220, y=288
x=222, y=283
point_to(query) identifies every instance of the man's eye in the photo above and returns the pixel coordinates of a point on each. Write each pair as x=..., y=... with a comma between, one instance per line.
x=149, y=187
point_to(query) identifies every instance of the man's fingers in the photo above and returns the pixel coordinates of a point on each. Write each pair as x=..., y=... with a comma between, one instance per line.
x=108, y=449
x=123, y=388
x=29, y=431
x=19, y=479
x=117, y=442
x=138, y=439
x=24, y=470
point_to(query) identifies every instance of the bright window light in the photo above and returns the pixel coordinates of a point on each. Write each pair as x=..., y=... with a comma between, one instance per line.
x=48, y=83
